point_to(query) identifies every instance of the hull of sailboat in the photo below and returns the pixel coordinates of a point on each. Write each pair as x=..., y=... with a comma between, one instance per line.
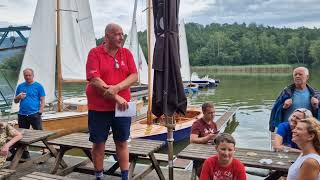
x=178, y=135
x=158, y=131
x=66, y=123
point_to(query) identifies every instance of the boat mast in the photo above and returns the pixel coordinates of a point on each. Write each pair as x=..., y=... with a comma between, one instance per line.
x=150, y=82
x=134, y=23
x=58, y=60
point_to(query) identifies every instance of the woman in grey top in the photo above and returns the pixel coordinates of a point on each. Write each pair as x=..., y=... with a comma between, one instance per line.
x=307, y=136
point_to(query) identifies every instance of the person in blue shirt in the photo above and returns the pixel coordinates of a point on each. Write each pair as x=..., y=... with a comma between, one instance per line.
x=31, y=96
x=283, y=137
x=297, y=95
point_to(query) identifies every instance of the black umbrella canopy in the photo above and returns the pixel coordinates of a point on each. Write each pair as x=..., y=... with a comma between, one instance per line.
x=168, y=93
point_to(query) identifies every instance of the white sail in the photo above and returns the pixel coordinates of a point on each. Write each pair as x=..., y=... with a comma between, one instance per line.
x=77, y=38
x=132, y=43
x=40, y=54
x=184, y=54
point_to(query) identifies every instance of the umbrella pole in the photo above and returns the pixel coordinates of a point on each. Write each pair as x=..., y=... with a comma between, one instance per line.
x=170, y=124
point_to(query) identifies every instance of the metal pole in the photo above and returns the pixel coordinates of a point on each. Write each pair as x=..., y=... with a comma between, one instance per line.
x=170, y=124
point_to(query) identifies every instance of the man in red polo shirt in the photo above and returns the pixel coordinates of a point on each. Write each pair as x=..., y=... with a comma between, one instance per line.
x=110, y=71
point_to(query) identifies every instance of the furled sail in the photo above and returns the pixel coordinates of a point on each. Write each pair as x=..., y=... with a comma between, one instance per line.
x=40, y=54
x=77, y=38
x=184, y=54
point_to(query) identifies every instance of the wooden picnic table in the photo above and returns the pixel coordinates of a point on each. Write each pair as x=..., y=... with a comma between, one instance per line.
x=138, y=148
x=281, y=161
x=31, y=136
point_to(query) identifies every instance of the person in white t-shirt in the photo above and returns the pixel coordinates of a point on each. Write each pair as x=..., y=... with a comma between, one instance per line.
x=307, y=136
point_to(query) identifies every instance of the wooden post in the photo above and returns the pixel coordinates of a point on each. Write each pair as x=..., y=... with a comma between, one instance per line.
x=58, y=59
x=150, y=80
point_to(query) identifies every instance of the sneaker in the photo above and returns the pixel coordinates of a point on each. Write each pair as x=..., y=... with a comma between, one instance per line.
x=25, y=155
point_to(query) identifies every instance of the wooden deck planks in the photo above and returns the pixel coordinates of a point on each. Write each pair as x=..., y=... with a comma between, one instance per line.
x=226, y=117
x=5, y=173
x=44, y=176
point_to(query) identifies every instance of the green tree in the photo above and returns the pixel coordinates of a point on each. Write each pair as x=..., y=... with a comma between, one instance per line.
x=315, y=51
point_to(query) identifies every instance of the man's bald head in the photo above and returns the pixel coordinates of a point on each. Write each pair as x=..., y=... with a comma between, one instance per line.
x=111, y=27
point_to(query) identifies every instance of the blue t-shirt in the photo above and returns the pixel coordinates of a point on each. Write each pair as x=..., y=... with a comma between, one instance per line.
x=285, y=132
x=31, y=103
x=300, y=99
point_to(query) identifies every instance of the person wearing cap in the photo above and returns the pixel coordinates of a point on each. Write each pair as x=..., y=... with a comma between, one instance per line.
x=283, y=137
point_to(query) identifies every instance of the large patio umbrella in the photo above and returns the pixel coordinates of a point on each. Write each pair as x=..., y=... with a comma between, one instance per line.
x=168, y=93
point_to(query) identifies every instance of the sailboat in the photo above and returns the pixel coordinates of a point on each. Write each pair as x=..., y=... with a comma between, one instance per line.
x=61, y=36
x=204, y=81
x=185, y=63
x=151, y=127
x=132, y=43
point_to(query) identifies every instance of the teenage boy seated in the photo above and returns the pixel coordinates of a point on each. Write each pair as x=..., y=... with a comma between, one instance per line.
x=223, y=165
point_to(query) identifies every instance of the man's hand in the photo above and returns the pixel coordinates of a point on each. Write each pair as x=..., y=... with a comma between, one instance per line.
x=314, y=102
x=4, y=150
x=22, y=95
x=211, y=137
x=113, y=90
x=287, y=103
x=122, y=103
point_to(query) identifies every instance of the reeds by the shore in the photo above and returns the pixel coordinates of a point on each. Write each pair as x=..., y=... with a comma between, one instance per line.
x=279, y=68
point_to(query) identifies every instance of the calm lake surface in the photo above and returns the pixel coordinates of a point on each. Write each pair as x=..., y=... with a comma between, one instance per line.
x=254, y=94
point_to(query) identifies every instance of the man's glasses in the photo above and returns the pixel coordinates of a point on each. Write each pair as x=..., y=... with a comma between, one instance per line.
x=116, y=63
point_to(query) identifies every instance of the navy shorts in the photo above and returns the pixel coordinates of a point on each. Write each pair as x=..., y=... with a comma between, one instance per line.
x=99, y=124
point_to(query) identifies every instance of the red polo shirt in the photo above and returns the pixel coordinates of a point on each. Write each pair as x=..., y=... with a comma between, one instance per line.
x=101, y=64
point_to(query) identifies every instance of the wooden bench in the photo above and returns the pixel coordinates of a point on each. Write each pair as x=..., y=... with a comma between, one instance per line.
x=138, y=148
x=44, y=176
x=29, y=137
x=280, y=162
x=5, y=173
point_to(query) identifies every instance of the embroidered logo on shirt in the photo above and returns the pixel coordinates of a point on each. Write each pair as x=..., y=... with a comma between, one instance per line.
x=122, y=63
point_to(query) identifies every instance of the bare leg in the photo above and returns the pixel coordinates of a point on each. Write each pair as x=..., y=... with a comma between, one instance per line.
x=123, y=154
x=98, y=156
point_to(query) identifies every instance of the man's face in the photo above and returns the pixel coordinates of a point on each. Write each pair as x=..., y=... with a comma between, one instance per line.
x=115, y=37
x=28, y=76
x=209, y=114
x=300, y=77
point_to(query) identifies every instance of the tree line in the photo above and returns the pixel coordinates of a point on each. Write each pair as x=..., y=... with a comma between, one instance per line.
x=241, y=44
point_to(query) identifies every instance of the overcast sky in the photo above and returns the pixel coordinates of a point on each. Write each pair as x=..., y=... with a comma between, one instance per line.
x=279, y=13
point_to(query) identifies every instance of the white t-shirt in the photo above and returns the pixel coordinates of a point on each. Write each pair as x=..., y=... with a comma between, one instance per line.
x=294, y=168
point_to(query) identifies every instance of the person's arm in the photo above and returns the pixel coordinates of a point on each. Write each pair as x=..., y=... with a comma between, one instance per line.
x=241, y=172
x=277, y=145
x=42, y=103
x=205, y=172
x=194, y=138
x=309, y=170
x=19, y=97
x=16, y=137
x=129, y=81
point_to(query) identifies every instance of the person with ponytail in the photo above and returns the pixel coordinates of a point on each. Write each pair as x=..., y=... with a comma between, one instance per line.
x=307, y=136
